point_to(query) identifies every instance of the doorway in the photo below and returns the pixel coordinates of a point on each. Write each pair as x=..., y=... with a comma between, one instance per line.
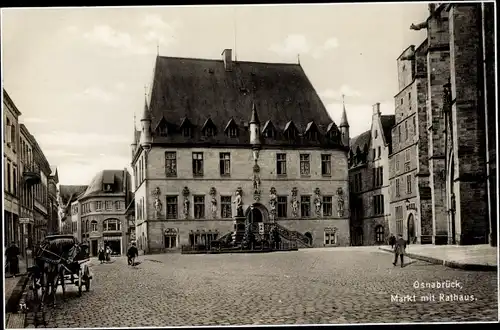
x=309, y=236
x=94, y=247
x=255, y=215
x=357, y=239
x=170, y=241
x=411, y=228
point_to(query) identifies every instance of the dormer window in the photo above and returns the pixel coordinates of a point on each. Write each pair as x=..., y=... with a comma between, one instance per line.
x=186, y=131
x=162, y=127
x=269, y=131
x=107, y=188
x=208, y=128
x=290, y=130
x=312, y=131
x=209, y=131
x=233, y=132
x=185, y=127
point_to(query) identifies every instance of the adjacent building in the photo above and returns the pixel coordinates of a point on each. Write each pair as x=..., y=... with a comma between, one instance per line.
x=443, y=165
x=219, y=132
x=69, y=209
x=40, y=194
x=12, y=177
x=102, y=209
x=369, y=182
x=53, y=225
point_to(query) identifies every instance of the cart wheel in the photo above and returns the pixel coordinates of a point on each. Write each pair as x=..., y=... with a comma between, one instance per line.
x=80, y=282
x=87, y=280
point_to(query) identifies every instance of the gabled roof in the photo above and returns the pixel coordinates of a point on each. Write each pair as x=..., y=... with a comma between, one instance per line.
x=388, y=121
x=360, y=141
x=230, y=123
x=70, y=193
x=267, y=126
x=115, y=178
x=311, y=125
x=289, y=125
x=195, y=88
x=208, y=123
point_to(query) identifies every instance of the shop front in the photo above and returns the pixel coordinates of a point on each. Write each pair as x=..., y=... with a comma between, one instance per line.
x=115, y=243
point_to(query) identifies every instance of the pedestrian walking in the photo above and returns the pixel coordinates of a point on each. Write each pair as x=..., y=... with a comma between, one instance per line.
x=132, y=253
x=11, y=254
x=102, y=256
x=108, y=254
x=392, y=241
x=399, y=250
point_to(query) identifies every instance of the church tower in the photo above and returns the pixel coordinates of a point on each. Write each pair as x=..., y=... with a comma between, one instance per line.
x=344, y=126
x=145, y=140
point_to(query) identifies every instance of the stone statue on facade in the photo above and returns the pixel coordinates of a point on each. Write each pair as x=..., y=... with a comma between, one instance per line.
x=185, y=193
x=213, y=202
x=340, y=202
x=157, y=203
x=273, y=199
x=295, y=202
x=239, y=202
x=317, y=201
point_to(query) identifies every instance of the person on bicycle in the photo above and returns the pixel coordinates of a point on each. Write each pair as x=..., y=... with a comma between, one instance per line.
x=132, y=253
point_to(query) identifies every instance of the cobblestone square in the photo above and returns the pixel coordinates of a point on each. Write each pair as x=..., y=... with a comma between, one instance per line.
x=314, y=286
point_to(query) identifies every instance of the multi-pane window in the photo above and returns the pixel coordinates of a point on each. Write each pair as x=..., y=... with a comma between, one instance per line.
x=398, y=192
x=378, y=204
x=327, y=206
x=118, y=205
x=171, y=163
x=111, y=224
x=109, y=205
x=305, y=164
x=172, y=207
x=197, y=163
x=225, y=209
x=326, y=165
x=98, y=206
x=281, y=164
x=233, y=132
x=225, y=163
x=378, y=176
x=305, y=206
x=330, y=238
x=379, y=234
x=408, y=184
x=407, y=159
x=93, y=225
x=199, y=207
x=282, y=206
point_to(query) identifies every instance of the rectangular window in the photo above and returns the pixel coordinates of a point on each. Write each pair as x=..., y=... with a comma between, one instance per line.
x=8, y=178
x=326, y=165
x=305, y=165
x=414, y=124
x=327, y=206
x=109, y=205
x=118, y=205
x=399, y=220
x=378, y=204
x=197, y=163
x=171, y=163
x=199, y=207
x=399, y=133
x=379, y=152
x=98, y=206
x=374, y=153
x=14, y=179
x=398, y=193
x=305, y=206
x=406, y=130
x=225, y=163
x=282, y=206
x=172, y=207
x=397, y=162
x=330, y=238
x=225, y=208
x=281, y=164
x=408, y=184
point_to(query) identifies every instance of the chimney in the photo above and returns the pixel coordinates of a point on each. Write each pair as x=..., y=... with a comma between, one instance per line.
x=227, y=58
x=376, y=108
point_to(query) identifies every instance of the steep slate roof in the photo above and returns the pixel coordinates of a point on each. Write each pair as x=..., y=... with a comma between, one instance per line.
x=388, y=122
x=199, y=89
x=361, y=140
x=107, y=177
x=70, y=193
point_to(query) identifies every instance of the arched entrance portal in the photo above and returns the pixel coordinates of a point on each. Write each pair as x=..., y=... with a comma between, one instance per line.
x=411, y=228
x=257, y=213
x=357, y=238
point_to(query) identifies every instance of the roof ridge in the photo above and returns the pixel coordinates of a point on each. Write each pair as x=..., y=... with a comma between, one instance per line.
x=221, y=60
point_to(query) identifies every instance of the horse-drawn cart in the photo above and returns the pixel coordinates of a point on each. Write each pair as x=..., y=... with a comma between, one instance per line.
x=59, y=260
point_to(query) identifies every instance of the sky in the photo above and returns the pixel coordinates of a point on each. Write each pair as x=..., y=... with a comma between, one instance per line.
x=78, y=75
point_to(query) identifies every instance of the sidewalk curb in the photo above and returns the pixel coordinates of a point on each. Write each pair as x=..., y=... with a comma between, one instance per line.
x=450, y=264
x=12, y=303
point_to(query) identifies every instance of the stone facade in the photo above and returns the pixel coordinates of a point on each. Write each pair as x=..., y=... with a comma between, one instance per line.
x=448, y=154
x=240, y=176
x=11, y=204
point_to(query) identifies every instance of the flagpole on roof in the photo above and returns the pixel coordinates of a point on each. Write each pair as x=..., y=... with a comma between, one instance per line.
x=235, y=33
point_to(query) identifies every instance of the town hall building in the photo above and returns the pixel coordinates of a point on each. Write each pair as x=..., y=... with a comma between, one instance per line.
x=219, y=134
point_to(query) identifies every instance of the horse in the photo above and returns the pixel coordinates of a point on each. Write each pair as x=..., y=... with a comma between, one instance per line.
x=54, y=259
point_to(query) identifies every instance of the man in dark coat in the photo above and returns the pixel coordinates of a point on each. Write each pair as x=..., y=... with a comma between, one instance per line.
x=392, y=241
x=11, y=254
x=399, y=249
x=132, y=253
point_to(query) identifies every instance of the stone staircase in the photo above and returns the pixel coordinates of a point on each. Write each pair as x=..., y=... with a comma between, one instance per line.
x=292, y=235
